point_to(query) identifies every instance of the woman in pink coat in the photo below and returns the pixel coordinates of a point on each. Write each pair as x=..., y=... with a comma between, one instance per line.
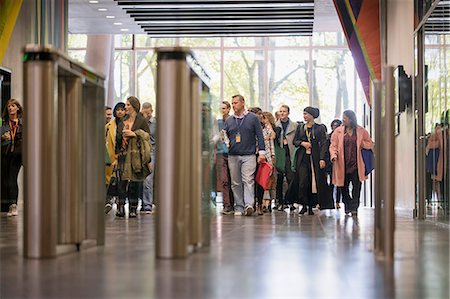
x=347, y=142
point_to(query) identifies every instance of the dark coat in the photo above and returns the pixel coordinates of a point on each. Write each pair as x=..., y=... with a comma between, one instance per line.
x=301, y=185
x=7, y=145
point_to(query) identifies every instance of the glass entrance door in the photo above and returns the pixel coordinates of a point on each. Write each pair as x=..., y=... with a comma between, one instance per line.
x=436, y=114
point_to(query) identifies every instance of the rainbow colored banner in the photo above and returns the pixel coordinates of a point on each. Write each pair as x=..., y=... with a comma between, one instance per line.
x=361, y=24
x=9, y=10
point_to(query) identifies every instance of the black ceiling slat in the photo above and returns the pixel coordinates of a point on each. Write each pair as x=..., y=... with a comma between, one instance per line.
x=216, y=10
x=193, y=17
x=293, y=17
x=231, y=14
x=218, y=2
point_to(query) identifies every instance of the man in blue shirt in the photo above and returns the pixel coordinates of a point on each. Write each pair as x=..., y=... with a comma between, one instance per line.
x=243, y=130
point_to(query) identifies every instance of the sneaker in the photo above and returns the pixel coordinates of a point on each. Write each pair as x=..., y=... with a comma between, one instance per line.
x=12, y=210
x=108, y=208
x=146, y=211
x=227, y=211
x=237, y=213
x=248, y=211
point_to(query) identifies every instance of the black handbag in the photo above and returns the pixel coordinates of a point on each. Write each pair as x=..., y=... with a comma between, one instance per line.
x=113, y=187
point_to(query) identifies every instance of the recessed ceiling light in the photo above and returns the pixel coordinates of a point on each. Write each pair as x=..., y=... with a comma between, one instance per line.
x=93, y=2
x=110, y=17
x=102, y=9
x=124, y=29
x=117, y=23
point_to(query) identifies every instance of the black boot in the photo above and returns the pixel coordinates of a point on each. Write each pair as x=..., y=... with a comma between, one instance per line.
x=120, y=210
x=133, y=211
x=310, y=211
x=303, y=210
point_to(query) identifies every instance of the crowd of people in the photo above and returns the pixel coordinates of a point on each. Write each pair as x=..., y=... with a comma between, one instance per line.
x=309, y=168
x=130, y=139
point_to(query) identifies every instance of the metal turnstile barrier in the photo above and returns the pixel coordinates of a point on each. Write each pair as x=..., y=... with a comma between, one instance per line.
x=64, y=154
x=178, y=189
x=384, y=118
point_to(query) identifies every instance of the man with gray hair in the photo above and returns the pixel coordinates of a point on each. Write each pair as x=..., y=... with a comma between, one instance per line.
x=147, y=198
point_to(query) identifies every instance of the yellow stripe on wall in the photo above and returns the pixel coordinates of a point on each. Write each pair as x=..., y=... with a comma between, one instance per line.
x=9, y=10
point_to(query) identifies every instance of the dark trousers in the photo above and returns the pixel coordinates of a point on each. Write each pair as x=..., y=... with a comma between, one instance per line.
x=338, y=193
x=130, y=190
x=280, y=179
x=11, y=164
x=225, y=181
x=259, y=191
x=279, y=189
x=351, y=203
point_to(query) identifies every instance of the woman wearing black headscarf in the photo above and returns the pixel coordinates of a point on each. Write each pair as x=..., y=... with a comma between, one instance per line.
x=311, y=156
x=110, y=141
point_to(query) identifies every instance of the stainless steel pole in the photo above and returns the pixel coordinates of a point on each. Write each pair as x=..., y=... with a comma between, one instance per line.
x=378, y=239
x=40, y=154
x=196, y=162
x=420, y=126
x=173, y=93
x=389, y=165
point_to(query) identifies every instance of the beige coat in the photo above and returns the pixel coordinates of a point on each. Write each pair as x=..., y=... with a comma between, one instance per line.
x=290, y=134
x=337, y=152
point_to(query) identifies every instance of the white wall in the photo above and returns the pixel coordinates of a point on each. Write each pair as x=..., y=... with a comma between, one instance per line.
x=400, y=51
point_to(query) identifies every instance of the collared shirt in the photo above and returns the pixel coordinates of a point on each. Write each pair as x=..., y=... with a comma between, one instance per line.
x=241, y=116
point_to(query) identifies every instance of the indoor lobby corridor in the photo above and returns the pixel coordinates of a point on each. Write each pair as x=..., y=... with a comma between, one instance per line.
x=278, y=255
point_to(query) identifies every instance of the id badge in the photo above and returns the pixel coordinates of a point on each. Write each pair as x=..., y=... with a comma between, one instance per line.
x=285, y=142
x=238, y=138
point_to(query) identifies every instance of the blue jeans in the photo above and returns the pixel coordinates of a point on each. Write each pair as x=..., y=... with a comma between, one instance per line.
x=147, y=198
x=242, y=172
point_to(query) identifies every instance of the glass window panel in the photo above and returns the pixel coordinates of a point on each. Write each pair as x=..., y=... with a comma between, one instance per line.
x=200, y=42
x=328, y=39
x=334, y=77
x=240, y=41
x=77, y=41
x=123, y=79
x=145, y=41
x=287, y=79
x=78, y=55
x=210, y=61
x=433, y=87
x=146, y=76
x=431, y=39
x=289, y=41
x=142, y=40
x=123, y=40
x=242, y=76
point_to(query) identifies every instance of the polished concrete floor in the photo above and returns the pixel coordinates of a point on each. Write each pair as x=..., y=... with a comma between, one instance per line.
x=279, y=255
